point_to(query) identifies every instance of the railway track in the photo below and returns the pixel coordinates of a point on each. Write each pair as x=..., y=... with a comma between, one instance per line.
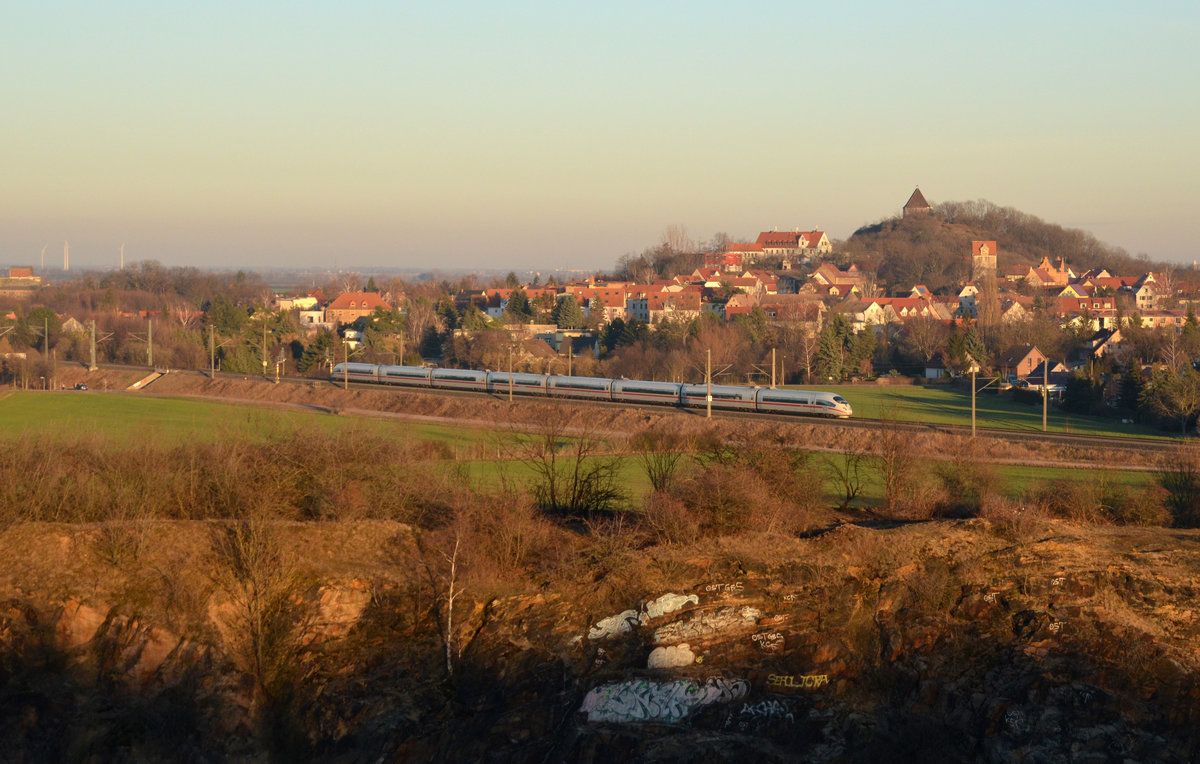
x=1095, y=442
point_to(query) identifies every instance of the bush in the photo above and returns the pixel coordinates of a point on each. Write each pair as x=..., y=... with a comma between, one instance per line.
x=1178, y=473
x=1098, y=502
x=967, y=479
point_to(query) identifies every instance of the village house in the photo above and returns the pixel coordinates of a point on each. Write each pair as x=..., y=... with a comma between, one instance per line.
x=1020, y=361
x=348, y=307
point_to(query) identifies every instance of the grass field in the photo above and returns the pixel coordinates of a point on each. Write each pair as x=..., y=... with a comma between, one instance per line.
x=947, y=405
x=174, y=420
x=72, y=415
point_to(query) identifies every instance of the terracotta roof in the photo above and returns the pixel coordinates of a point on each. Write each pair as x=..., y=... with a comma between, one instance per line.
x=359, y=301
x=976, y=245
x=917, y=201
x=779, y=238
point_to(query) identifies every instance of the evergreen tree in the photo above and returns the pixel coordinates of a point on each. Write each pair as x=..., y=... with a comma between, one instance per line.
x=567, y=314
x=316, y=352
x=448, y=312
x=518, y=310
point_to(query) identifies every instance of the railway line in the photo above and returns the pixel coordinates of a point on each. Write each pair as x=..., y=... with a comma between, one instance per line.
x=1115, y=444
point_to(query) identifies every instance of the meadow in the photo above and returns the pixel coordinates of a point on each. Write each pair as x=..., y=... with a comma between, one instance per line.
x=484, y=457
x=952, y=406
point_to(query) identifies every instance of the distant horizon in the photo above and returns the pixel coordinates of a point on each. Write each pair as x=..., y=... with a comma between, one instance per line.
x=538, y=134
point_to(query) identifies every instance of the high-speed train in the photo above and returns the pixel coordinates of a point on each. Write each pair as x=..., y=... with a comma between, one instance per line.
x=732, y=397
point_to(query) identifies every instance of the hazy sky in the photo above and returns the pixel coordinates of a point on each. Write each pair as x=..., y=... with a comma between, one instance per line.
x=543, y=134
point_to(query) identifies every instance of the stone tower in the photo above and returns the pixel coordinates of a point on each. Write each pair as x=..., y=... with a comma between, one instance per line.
x=983, y=260
x=917, y=205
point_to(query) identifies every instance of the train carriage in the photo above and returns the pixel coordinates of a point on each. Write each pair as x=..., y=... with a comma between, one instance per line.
x=499, y=383
x=580, y=387
x=405, y=375
x=637, y=391
x=730, y=397
x=803, y=402
x=459, y=379
x=355, y=372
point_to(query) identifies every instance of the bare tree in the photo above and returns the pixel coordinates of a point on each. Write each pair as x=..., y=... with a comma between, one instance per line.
x=442, y=569
x=675, y=239
x=925, y=337
x=573, y=473
x=845, y=467
x=660, y=453
x=264, y=585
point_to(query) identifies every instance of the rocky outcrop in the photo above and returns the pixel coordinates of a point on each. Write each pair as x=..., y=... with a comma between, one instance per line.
x=943, y=642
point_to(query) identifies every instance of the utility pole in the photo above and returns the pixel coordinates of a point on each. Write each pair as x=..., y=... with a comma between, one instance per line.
x=772, y=368
x=345, y=366
x=510, y=375
x=972, y=399
x=150, y=342
x=212, y=351
x=570, y=356
x=1045, y=390
x=708, y=383
x=92, y=366
x=264, y=348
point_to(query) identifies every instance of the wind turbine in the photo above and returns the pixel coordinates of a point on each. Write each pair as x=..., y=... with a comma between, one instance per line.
x=44, y=256
x=66, y=256
x=122, y=255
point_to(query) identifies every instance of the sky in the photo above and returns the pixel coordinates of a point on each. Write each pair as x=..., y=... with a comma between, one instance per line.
x=463, y=135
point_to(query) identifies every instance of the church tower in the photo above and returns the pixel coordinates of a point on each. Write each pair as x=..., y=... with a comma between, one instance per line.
x=917, y=205
x=983, y=260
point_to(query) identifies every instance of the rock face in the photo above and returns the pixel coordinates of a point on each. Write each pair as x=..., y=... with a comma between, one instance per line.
x=936, y=643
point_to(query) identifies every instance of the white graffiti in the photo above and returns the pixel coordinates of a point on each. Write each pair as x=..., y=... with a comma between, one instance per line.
x=704, y=624
x=615, y=625
x=790, y=598
x=1055, y=627
x=1058, y=581
x=989, y=597
x=625, y=622
x=669, y=702
x=754, y=716
x=669, y=603
x=675, y=656
x=736, y=586
x=771, y=641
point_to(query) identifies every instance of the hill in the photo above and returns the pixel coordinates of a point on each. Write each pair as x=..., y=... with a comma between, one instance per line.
x=935, y=249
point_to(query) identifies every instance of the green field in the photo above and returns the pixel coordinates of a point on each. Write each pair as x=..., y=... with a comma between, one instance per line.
x=946, y=405
x=126, y=418
x=75, y=415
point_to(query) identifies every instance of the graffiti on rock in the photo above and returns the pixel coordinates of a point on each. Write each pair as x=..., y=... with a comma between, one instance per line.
x=989, y=597
x=675, y=656
x=1058, y=581
x=706, y=624
x=772, y=641
x=752, y=717
x=642, y=701
x=669, y=603
x=780, y=682
x=730, y=588
x=625, y=622
x=615, y=625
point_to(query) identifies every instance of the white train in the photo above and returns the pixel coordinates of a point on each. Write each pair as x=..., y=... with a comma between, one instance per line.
x=732, y=397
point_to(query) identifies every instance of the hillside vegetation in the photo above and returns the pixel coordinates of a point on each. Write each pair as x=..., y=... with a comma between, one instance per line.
x=935, y=249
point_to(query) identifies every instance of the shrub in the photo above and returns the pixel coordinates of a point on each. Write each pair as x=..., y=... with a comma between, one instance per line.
x=1178, y=472
x=966, y=478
